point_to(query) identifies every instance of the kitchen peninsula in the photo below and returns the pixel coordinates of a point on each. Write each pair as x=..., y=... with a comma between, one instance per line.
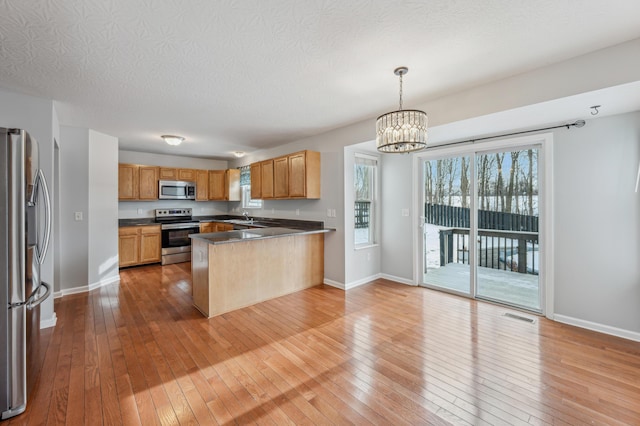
x=234, y=269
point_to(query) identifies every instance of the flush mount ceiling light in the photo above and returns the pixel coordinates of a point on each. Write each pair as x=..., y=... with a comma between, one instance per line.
x=404, y=130
x=172, y=140
x=239, y=154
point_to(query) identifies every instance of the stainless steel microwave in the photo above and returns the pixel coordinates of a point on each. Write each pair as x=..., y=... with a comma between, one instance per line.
x=176, y=190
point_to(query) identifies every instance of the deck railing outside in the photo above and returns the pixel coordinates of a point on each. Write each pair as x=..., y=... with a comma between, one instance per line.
x=362, y=214
x=508, y=250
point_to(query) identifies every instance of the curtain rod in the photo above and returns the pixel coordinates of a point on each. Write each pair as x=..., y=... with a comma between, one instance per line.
x=579, y=123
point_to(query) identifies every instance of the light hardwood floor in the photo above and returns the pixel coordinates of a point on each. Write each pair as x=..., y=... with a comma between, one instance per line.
x=139, y=353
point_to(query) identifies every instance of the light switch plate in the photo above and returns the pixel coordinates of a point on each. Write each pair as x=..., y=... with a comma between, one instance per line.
x=405, y=212
x=78, y=216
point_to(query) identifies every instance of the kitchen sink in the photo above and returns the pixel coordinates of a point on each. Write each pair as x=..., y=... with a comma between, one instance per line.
x=240, y=221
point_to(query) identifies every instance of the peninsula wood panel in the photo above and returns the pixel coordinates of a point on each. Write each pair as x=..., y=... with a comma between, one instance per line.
x=243, y=273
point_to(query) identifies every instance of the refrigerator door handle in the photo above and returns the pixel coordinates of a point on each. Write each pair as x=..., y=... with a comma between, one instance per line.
x=32, y=302
x=41, y=182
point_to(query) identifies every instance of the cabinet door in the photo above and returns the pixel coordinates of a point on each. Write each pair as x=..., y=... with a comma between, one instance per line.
x=216, y=184
x=304, y=174
x=167, y=173
x=266, y=171
x=202, y=185
x=187, y=174
x=150, y=244
x=221, y=227
x=281, y=177
x=148, y=178
x=256, y=182
x=127, y=182
x=128, y=246
x=207, y=227
x=232, y=185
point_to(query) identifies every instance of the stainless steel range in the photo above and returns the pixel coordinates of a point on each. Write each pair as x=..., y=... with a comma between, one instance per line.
x=177, y=224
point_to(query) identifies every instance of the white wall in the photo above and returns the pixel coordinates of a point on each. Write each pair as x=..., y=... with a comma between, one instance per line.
x=74, y=172
x=597, y=223
x=38, y=117
x=138, y=209
x=103, y=208
x=398, y=230
x=89, y=176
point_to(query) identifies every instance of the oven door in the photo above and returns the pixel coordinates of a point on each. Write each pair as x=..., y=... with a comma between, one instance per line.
x=178, y=237
x=176, y=244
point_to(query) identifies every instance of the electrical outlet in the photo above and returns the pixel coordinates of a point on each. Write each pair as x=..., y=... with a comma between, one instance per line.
x=329, y=213
x=405, y=212
x=78, y=216
x=333, y=212
x=297, y=212
x=139, y=211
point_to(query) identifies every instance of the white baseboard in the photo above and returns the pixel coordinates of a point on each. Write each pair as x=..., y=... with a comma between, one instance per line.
x=367, y=280
x=362, y=281
x=332, y=283
x=398, y=279
x=85, y=288
x=601, y=328
x=350, y=285
x=49, y=322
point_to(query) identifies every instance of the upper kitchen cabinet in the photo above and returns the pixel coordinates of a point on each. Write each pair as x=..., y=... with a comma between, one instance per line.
x=137, y=182
x=187, y=174
x=202, y=185
x=295, y=175
x=167, y=173
x=128, y=181
x=304, y=174
x=148, y=182
x=224, y=185
x=281, y=177
x=266, y=178
x=256, y=181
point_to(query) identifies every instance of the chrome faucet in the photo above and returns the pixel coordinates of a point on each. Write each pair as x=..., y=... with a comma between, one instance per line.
x=246, y=215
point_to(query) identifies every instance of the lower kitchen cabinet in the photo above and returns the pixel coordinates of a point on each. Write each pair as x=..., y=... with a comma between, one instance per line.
x=139, y=245
x=207, y=227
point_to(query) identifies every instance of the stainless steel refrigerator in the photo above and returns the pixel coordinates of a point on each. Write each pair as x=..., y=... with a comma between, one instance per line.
x=24, y=239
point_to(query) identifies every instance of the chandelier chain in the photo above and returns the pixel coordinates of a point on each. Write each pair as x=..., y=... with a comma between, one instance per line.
x=401, y=92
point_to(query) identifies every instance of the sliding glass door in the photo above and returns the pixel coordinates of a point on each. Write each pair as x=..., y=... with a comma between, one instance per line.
x=507, y=222
x=480, y=223
x=447, y=223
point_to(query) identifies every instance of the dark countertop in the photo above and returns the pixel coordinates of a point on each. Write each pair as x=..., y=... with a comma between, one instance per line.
x=262, y=222
x=143, y=221
x=253, y=234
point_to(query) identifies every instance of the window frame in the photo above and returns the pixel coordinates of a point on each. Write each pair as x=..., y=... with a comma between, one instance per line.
x=374, y=230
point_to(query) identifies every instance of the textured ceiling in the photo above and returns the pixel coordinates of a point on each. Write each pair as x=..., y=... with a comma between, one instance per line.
x=248, y=74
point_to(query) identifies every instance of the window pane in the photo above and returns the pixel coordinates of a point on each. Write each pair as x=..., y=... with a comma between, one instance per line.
x=245, y=186
x=364, y=195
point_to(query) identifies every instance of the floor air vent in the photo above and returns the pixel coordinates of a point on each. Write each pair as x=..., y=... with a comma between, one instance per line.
x=518, y=317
